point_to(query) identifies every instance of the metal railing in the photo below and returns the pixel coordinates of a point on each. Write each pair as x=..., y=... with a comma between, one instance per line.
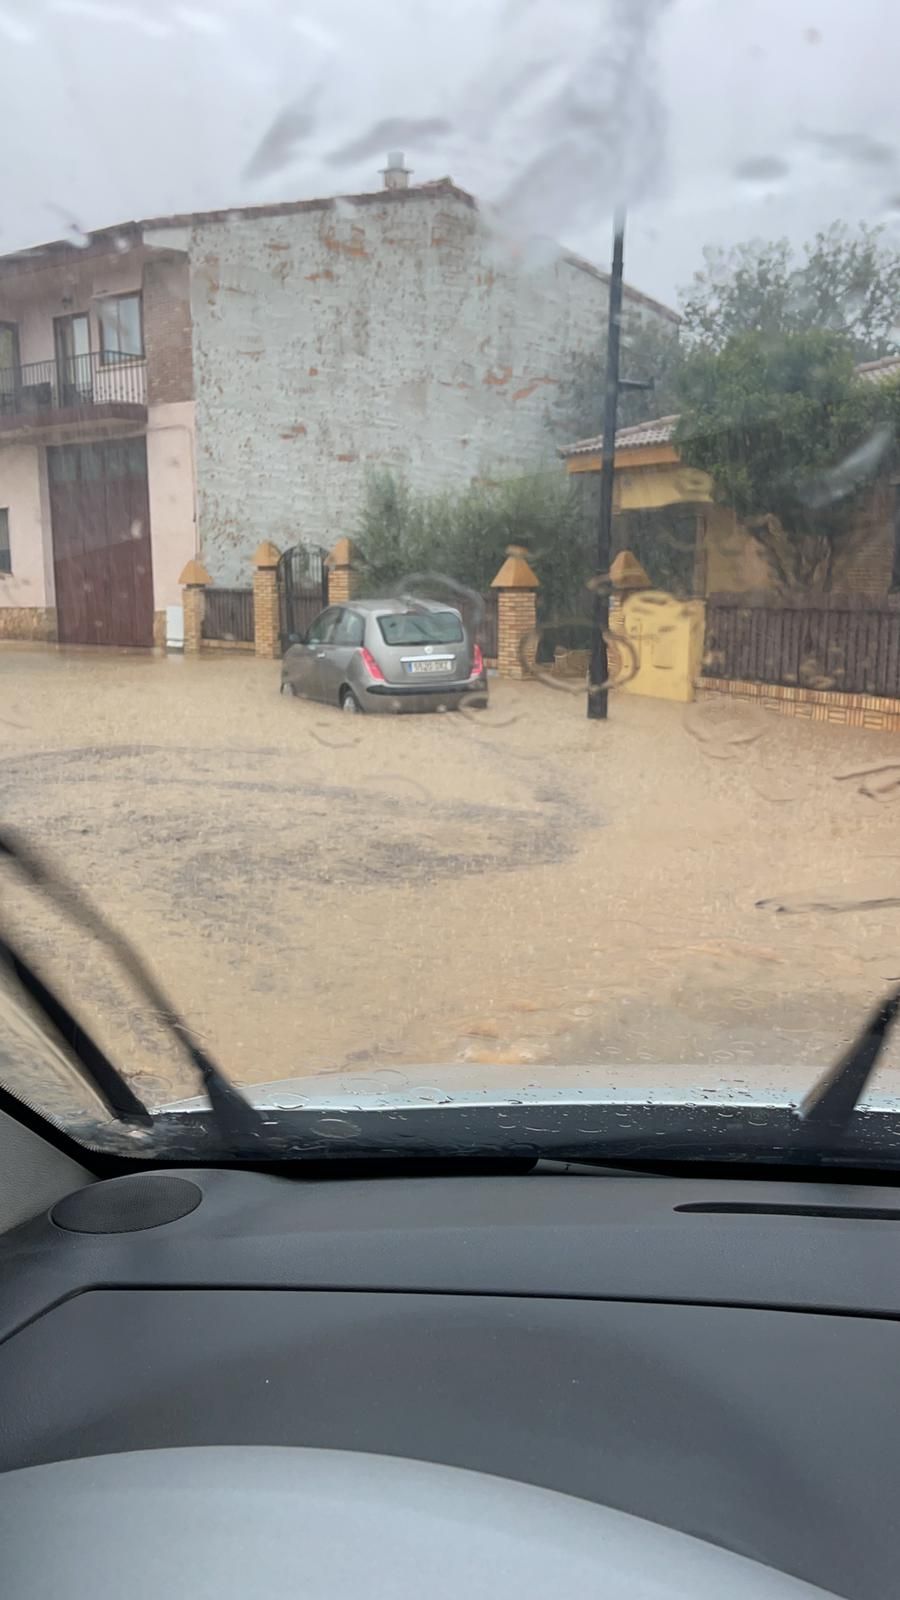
x=229, y=615
x=97, y=378
x=812, y=641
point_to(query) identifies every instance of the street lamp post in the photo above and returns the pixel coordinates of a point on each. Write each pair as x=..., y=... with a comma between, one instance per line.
x=598, y=696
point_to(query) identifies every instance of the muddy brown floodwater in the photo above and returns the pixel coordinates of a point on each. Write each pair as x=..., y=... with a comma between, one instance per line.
x=518, y=888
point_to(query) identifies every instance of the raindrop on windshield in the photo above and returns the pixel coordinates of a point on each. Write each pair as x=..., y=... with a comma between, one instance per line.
x=335, y=1128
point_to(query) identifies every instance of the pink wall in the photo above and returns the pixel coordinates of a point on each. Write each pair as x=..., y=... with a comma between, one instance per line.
x=170, y=470
x=31, y=581
x=170, y=473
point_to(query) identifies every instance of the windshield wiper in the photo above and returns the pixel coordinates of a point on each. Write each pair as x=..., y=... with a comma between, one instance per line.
x=237, y=1120
x=114, y=1090
x=833, y=1098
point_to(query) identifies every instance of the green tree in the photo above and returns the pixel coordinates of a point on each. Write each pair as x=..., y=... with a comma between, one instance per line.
x=846, y=282
x=792, y=441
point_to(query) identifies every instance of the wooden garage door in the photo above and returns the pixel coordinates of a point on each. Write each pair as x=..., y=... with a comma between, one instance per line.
x=100, y=516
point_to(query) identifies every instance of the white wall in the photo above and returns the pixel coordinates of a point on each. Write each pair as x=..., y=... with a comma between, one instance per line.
x=170, y=473
x=395, y=334
x=30, y=583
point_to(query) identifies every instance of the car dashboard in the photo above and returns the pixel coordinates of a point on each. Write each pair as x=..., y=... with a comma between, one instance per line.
x=719, y=1356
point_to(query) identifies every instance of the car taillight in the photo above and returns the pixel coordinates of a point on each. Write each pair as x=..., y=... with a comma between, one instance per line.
x=477, y=662
x=371, y=665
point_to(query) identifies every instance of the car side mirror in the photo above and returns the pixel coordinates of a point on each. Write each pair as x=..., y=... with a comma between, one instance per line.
x=296, y=638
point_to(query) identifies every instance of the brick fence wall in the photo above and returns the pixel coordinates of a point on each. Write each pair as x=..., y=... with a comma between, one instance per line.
x=876, y=712
x=266, y=608
x=340, y=585
x=515, y=619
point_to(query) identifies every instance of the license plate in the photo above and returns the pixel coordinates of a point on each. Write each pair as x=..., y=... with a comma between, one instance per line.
x=429, y=666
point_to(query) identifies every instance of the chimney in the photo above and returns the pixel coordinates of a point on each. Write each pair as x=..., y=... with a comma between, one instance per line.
x=395, y=174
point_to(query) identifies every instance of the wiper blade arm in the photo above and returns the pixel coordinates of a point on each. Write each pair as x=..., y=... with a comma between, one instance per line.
x=114, y=1090
x=833, y=1098
x=237, y=1118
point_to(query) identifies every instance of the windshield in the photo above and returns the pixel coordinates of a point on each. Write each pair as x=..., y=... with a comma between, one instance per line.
x=421, y=627
x=569, y=334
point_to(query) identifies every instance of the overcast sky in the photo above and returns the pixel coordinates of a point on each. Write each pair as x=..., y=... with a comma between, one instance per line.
x=716, y=119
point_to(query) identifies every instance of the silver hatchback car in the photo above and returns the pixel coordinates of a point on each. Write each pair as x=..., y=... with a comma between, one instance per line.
x=387, y=655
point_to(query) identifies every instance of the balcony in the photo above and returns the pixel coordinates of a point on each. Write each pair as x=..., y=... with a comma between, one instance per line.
x=78, y=395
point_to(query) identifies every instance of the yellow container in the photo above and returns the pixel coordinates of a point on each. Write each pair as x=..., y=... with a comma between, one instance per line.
x=666, y=636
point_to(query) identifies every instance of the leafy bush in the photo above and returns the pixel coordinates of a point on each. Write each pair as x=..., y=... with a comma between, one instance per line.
x=464, y=534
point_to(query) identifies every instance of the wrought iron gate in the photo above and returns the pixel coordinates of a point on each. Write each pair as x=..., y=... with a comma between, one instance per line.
x=302, y=590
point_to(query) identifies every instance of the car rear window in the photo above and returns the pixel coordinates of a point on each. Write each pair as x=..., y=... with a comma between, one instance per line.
x=421, y=627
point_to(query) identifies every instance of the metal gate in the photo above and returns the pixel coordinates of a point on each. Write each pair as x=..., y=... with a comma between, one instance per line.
x=302, y=590
x=228, y=615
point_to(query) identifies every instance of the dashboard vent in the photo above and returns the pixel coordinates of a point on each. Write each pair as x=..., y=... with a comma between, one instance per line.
x=749, y=1208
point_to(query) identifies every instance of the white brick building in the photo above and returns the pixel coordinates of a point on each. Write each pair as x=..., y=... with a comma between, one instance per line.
x=324, y=338
x=395, y=332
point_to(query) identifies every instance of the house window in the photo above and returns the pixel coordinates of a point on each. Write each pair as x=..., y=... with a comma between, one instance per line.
x=5, y=552
x=9, y=359
x=121, y=330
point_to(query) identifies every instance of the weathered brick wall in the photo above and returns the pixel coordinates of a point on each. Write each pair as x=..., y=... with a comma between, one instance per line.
x=167, y=330
x=394, y=333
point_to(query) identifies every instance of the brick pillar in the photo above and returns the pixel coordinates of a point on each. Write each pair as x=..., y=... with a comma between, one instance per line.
x=342, y=574
x=193, y=580
x=266, y=617
x=516, y=612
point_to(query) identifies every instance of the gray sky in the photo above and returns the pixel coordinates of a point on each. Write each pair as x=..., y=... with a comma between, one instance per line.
x=547, y=109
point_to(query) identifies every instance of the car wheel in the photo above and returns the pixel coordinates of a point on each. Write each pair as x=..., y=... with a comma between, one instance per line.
x=350, y=703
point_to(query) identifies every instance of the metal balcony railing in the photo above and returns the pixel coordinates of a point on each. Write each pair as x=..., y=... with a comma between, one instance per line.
x=97, y=378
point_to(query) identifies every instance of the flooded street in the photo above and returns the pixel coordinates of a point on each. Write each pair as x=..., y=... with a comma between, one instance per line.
x=472, y=893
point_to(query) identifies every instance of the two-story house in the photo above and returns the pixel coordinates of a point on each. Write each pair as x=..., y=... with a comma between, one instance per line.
x=97, y=483
x=193, y=385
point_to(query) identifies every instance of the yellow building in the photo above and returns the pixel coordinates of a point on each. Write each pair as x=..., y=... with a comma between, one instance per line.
x=839, y=663
x=665, y=512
